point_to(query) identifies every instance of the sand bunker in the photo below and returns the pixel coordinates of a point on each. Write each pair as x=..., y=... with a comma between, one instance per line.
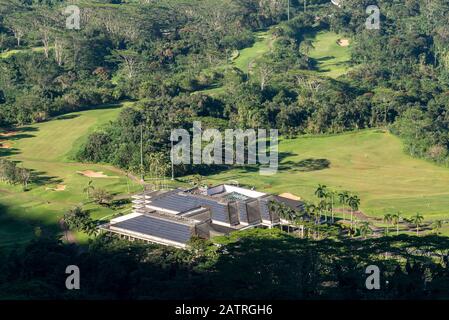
x=8, y=134
x=343, y=42
x=290, y=196
x=93, y=174
x=59, y=187
x=5, y=145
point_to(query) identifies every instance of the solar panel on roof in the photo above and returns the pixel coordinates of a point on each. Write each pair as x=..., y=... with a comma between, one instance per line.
x=183, y=203
x=160, y=228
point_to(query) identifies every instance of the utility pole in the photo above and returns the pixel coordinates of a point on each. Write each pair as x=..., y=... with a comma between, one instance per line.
x=305, y=5
x=141, y=152
x=288, y=11
x=172, y=165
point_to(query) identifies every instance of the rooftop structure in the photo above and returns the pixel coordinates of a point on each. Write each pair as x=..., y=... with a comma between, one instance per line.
x=337, y=2
x=173, y=217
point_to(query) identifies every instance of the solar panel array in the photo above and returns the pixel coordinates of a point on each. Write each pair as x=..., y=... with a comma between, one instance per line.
x=152, y=226
x=181, y=203
x=243, y=215
x=264, y=211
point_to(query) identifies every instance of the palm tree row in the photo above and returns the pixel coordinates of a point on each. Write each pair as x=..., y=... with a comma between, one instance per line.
x=416, y=220
x=345, y=198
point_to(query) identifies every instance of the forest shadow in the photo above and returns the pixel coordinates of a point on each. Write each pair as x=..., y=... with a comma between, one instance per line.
x=6, y=152
x=306, y=165
x=67, y=116
x=16, y=232
x=208, y=170
x=326, y=58
x=40, y=178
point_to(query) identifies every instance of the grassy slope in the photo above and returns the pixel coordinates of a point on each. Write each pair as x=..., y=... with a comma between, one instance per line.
x=44, y=148
x=370, y=163
x=7, y=54
x=246, y=58
x=332, y=59
x=248, y=55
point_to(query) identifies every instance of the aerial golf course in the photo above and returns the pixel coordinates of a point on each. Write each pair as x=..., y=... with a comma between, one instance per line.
x=370, y=163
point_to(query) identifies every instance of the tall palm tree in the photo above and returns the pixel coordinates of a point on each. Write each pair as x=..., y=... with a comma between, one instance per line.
x=284, y=214
x=396, y=218
x=387, y=219
x=273, y=207
x=354, y=226
x=322, y=206
x=312, y=212
x=343, y=197
x=331, y=196
x=417, y=221
x=365, y=229
x=88, y=188
x=321, y=191
x=354, y=203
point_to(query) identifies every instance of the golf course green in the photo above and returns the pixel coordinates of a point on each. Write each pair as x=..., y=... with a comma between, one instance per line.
x=332, y=58
x=46, y=148
x=370, y=163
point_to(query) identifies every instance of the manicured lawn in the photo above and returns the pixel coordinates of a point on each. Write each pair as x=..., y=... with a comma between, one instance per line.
x=370, y=163
x=248, y=55
x=332, y=59
x=47, y=148
x=7, y=54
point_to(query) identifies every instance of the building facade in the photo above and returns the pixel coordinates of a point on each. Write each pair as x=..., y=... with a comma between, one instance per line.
x=174, y=217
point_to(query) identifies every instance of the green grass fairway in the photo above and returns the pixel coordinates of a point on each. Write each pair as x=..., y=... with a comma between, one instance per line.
x=244, y=59
x=46, y=148
x=248, y=55
x=7, y=54
x=332, y=59
x=370, y=163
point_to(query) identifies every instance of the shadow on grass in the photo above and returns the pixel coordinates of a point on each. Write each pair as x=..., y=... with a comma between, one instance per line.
x=306, y=165
x=40, y=178
x=67, y=117
x=17, y=231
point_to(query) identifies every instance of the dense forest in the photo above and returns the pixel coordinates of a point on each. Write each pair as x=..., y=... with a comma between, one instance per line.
x=174, y=51
x=254, y=264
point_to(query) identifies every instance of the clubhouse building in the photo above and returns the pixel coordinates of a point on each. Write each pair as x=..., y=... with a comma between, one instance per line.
x=173, y=217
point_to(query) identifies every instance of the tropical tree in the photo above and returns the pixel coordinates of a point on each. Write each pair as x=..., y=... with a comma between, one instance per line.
x=365, y=229
x=321, y=191
x=312, y=212
x=79, y=219
x=353, y=227
x=354, y=203
x=24, y=175
x=89, y=188
x=331, y=197
x=388, y=218
x=197, y=179
x=323, y=207
x=101, y=196
x=343, y=197
x=417, y=221
x=274, y=207
x=437, y=225
x=396, y=218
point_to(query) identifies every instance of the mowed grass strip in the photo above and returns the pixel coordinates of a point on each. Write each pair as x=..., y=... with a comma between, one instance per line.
x=369, y=163
x=332, y=59
x=248, y=56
